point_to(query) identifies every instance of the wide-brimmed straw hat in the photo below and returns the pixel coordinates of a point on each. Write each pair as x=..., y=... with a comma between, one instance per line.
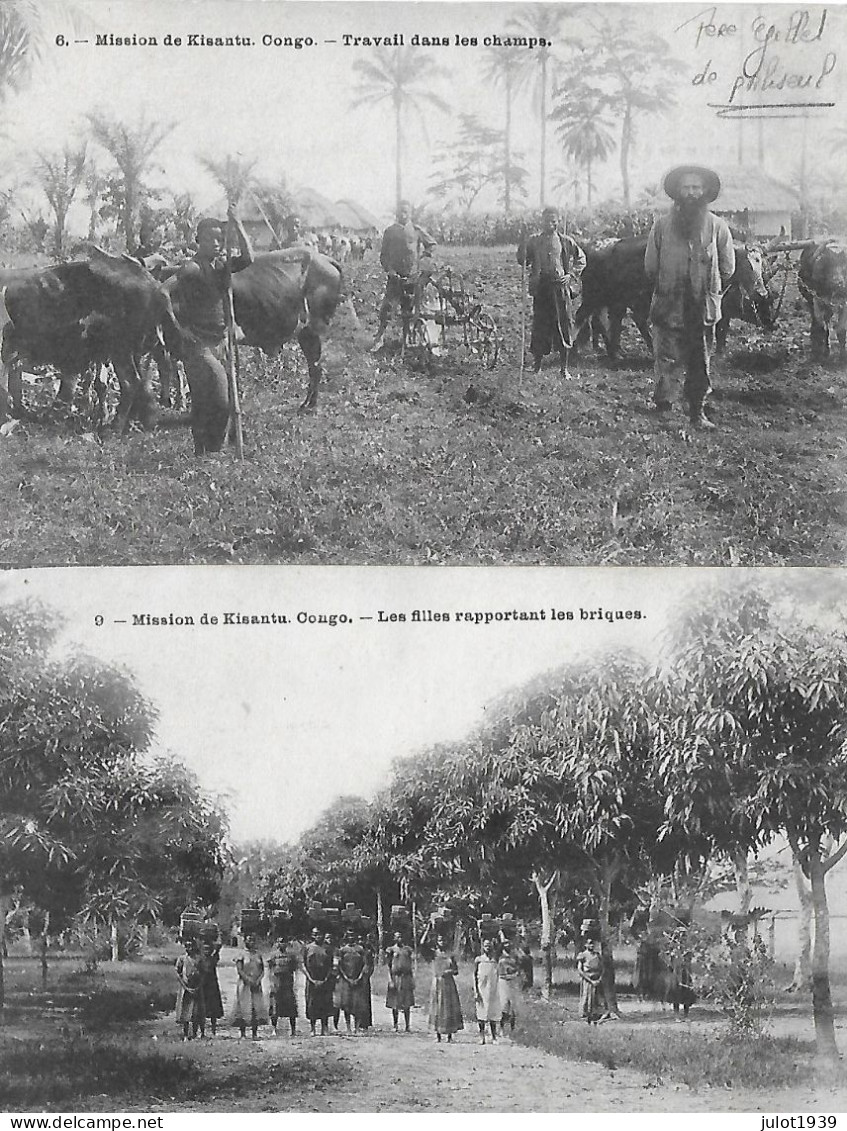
x=711, y=181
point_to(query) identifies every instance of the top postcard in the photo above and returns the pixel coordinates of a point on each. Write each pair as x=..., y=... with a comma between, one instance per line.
x=423, y=283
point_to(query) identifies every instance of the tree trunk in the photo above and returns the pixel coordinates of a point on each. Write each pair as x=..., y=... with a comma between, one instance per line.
x=626, y=144
x=543, y=890
x=380, y=922
x=398, y=158
x=821, y=991
x=507, y=187
x=802, y=979
x=742, y=883
x=414, y=937
x=804, y=152
x=588, y=192
x=128, y=216
x=4, y=904
x=43, y=949
x=27, y=934
x=541, y=192
x=113, y=941
x=604, y=890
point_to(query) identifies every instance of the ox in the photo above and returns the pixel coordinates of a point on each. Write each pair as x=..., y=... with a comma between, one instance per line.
x=81, y=314
x=288, y=292
x=614, y=280
x=823, y=284
x=283, y=293
x=746, y=295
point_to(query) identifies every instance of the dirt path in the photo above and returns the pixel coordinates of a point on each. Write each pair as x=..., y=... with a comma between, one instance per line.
x=388, y=1072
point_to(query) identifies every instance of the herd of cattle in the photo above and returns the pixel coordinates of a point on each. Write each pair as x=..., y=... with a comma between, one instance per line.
x=78, y=316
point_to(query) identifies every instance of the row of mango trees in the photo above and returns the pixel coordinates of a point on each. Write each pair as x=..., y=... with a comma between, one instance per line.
x=622, y=771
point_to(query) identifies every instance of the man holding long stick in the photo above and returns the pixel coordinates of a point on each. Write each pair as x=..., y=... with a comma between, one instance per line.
x=554, y=261
x=202, y=295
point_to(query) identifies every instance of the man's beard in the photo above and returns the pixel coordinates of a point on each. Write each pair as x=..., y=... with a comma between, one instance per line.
x=690, y=213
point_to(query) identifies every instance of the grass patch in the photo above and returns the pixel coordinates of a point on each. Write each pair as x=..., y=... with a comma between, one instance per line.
x=121, y=1006
x=50, y=1074
x=669, y=1053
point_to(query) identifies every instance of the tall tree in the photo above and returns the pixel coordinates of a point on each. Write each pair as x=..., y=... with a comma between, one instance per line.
x=502, y=67
x=471, y=163
x=93, y=186
x=405, y=78
x=234, y=174
x=60, y=176
x=540, y=22
x=636, y=70
x=594, y=750
x=765, y=732
x=132, y=149
x=583, y=126
x=88, y=823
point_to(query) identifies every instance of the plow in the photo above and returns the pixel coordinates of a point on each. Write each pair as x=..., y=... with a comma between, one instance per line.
x=440, y=311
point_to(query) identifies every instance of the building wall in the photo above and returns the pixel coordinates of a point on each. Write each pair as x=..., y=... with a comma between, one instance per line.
x=762, y=224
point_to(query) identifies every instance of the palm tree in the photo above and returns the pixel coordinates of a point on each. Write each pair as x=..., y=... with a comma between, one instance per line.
x=567, y=182
x=25, y=28
x=60, y=175
x=636, y=70
x=94, y=185
x=402, y=76
x=235, y=175
x=541, y=22
x=132, y=149
x=583, y=130
x=502, y=67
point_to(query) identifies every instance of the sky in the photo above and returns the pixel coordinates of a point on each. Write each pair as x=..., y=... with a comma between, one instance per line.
x=291, y=108
x=281, y=719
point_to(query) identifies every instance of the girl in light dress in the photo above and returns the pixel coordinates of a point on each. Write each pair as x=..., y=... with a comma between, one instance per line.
x=249, y=1007
x=486, y=984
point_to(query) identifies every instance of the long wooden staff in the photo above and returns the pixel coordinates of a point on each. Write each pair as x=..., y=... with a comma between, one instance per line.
x=264, y=216
x=232, y=355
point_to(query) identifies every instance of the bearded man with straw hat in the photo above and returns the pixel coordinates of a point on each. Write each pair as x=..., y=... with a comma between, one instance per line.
x=690, y=260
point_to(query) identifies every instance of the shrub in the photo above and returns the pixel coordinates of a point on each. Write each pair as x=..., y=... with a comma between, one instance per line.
x=738, y=976
x=116, y=1007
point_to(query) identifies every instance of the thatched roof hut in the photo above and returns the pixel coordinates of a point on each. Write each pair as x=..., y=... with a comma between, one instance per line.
x=755, y=203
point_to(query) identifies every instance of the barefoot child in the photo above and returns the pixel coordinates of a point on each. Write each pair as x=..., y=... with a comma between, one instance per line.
x=190, y=1008
x=249, y=1008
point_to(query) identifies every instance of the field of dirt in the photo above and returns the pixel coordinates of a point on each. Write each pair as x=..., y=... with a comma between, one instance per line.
x=451, y=462
x=383, y=1071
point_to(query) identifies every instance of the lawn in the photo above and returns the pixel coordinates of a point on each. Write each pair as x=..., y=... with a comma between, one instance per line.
x=453, y=463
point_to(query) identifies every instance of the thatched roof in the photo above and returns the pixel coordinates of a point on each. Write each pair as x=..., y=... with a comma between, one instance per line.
x=315, y=209
x=745, y=186
x=355, y=216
